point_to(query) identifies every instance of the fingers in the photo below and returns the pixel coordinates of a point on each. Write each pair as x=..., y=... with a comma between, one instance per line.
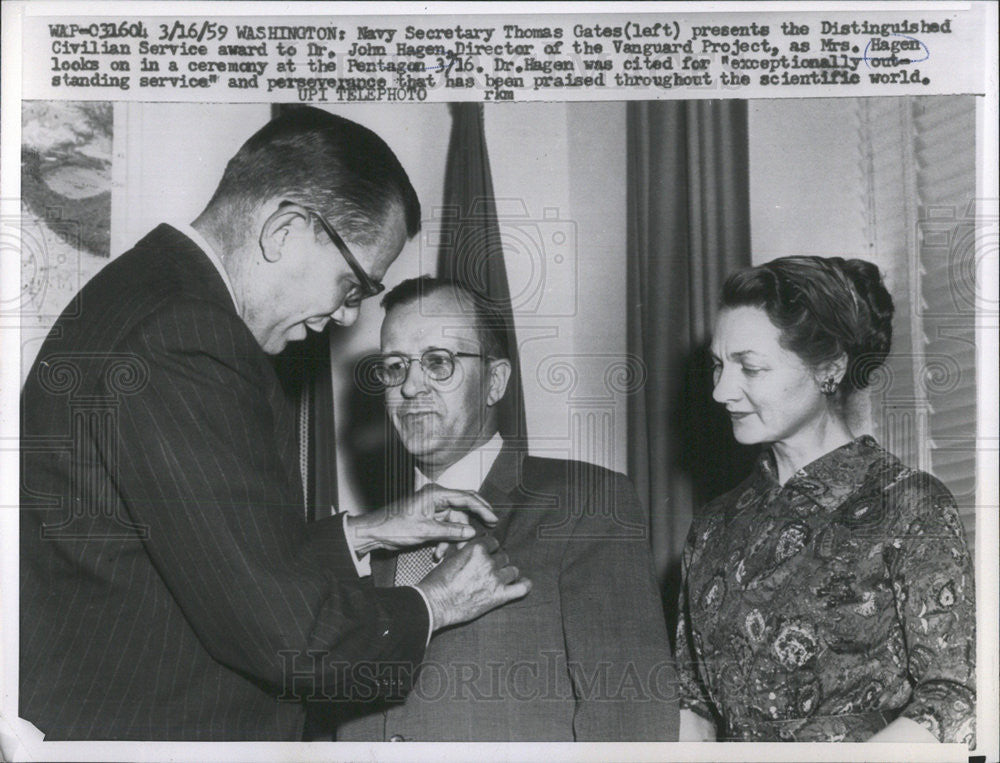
x=445, y=532
x=464, y=550
x=440, y=550
x=473, y=581
x=489, y=543
x=452, y=515
x=466, y=500
x=507, y=575
x=517, y=590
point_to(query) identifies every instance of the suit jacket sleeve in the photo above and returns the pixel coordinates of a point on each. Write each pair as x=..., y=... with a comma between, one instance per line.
x=226, y=531
x=616, y=640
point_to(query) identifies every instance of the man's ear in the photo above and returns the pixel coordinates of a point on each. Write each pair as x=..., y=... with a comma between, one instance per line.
x=287, y=219
x=499, y=376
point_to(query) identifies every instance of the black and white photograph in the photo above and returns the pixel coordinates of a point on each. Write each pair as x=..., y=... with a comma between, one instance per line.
x=646, y=422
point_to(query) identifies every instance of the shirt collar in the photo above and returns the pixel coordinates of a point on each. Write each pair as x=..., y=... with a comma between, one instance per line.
x=829, y=479
x=469, y=472
x=198, y=239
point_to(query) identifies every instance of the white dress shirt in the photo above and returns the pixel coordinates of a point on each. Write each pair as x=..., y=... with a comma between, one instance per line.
x=469, y=472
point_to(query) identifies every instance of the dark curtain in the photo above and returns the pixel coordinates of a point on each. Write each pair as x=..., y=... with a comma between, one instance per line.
x=471, y=251
x=688, y=228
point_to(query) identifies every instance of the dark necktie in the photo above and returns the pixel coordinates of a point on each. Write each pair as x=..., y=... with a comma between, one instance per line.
x=413, y=565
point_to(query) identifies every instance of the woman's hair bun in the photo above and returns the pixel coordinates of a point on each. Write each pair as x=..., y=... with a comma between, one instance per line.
x=825, y=307
x=874, y=324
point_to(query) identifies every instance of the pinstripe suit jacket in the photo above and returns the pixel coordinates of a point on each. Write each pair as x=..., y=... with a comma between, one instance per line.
x=583, y=657
x=170, y=587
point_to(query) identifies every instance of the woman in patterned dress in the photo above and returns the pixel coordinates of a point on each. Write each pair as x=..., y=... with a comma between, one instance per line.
x=830, y=596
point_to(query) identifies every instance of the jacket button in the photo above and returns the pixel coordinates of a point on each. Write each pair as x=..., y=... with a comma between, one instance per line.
x=397, y=738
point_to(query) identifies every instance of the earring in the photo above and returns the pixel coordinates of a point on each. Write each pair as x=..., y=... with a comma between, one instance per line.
x=828, y=386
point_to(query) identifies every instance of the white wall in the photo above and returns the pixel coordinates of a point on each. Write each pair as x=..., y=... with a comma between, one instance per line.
x=806, y=179
x=168, y=159
x=807, y=191
x=564, y=166
x=820, y=186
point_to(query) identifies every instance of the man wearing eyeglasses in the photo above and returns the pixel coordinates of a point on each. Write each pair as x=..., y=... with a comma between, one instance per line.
x=585, y=657
x=170, y=586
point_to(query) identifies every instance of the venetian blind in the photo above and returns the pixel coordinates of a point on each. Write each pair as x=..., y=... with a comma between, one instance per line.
x=920, y=164
x=946, y=187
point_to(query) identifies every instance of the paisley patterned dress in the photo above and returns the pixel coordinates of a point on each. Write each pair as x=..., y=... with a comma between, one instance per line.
x=823, y=609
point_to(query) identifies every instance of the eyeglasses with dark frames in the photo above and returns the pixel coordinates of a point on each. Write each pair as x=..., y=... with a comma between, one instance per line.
x=367, y=286
x=438, y=363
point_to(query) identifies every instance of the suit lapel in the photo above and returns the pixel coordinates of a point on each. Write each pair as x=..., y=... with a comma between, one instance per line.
x=501, y=491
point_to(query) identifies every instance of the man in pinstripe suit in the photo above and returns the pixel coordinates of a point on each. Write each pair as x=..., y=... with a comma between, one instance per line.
x=170, y=587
